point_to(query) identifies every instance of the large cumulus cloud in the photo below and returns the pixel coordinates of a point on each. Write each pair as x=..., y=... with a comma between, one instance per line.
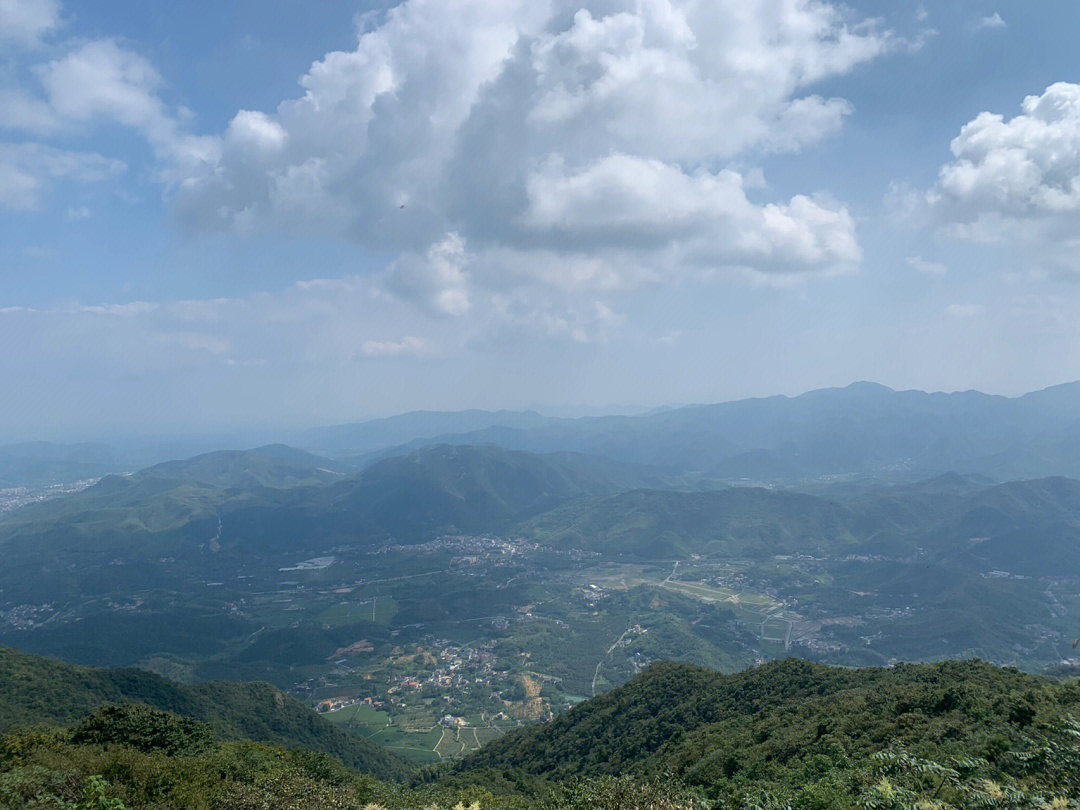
x=588, y=132
x=525, y=161
x=1015, y=178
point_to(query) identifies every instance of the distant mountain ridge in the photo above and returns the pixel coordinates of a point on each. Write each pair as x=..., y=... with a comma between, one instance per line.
x=865, y=430
x=360, y=438
x=446, y=488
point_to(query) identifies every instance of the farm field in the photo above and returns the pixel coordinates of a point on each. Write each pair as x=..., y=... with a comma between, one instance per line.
x=415, y=743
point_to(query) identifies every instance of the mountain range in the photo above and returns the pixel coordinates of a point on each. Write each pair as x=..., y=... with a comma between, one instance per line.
x=863, y=431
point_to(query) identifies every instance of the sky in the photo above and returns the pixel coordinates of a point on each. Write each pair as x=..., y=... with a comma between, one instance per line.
x=283, y=214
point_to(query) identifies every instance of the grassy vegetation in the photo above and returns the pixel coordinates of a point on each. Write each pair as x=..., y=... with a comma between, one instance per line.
x=378, y=610
x=417, y=746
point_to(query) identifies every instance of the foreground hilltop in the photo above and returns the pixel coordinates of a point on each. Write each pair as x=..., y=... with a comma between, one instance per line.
x=37, y=692
x=783, y=735
x=769, y=724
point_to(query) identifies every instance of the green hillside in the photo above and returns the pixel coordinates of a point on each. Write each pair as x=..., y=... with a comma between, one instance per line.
x=471, y=489
x=276, y=466
x=281, y=495
x=38, y=691
x=1027, y=527
x=953, y=736
x=774, y=726
x=735, y=522
x=171, y=495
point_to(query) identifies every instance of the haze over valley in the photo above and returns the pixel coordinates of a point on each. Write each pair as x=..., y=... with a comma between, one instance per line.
x=443, y=578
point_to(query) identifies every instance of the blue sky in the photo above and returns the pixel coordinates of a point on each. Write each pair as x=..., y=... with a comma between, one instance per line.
x=300, y=213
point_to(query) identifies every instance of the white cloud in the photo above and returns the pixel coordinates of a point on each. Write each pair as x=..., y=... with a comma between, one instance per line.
x=524, y=312
x=927, y=268
x=993, y=21
x=1015, y=179
x=26, y=113
x=255, y=131
x=26, y=21
x=196, y=342
x=518, y=158
x=100, y=81
x=392, y=348
x=28, y=169
x=437, y=279
x=100, y=78
x=506, y=123
x=131, y=309
x=624, y=199
x=964, y=311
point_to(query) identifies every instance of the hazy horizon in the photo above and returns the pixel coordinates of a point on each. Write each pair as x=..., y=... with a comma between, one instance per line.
x=219, y=218
x=250, y=434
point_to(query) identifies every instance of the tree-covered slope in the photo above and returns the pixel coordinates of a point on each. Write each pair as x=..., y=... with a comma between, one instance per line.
x=175, y=500
x=471, y=488
x=277, y=490
x=951, y=736
x=1025, y=527
x=277, y=466
x=770, y=723
x=734, y=522
x=38, y=691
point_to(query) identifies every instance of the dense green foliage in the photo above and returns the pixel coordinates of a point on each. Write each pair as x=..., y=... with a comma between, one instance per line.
x=773, y=726
x=37, y=691
x=785, y=735
x=142, y=728
x=56, y=771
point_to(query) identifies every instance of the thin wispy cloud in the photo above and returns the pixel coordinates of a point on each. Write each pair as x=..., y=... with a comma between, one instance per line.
x=925, y=267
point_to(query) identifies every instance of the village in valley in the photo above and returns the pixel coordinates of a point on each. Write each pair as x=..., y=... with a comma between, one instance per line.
x=435, y=648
